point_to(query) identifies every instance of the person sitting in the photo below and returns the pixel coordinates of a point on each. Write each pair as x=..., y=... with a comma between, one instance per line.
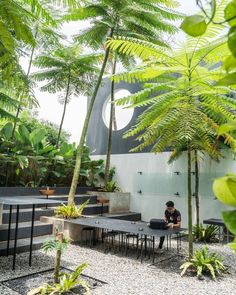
x=172, y=217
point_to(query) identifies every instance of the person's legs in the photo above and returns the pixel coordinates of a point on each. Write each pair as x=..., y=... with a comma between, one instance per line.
x=162, y=239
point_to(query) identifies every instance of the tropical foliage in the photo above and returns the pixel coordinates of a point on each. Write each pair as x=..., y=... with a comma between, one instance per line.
x=197, y=25
x=205, y=234
x=67, y=69
x=70, y=211
x=32, y=159
x=224, y=190
x=127, y=18
x=183, y=106
x=63, y=282
x=204, y=262
x=67, y=283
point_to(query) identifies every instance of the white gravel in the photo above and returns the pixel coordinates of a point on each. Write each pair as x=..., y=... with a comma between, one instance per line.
x=126, y=275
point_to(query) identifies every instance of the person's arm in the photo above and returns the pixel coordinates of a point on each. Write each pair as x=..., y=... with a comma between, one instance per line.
x=165, y=218
x=178, y=224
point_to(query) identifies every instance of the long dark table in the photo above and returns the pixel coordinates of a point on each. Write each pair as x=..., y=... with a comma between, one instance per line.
x=138, y=228
x=17, y=202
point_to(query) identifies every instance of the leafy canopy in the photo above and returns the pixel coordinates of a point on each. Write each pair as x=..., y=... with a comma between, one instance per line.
x=182, y=104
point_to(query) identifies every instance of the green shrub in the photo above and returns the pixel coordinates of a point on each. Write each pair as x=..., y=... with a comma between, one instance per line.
x=204, y=262
x=67, y=282
x=70, y=211
x=204, y=234
x=111, y=186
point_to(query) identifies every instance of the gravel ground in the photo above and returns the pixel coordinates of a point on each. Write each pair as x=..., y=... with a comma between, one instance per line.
x=126, y=275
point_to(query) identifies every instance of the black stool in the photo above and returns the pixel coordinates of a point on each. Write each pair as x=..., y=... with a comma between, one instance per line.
x=146, y=242
x=88, y=230
x=109, y=236
x=127, y=239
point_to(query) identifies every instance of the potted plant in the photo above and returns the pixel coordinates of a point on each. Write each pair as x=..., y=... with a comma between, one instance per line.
x=118, y=201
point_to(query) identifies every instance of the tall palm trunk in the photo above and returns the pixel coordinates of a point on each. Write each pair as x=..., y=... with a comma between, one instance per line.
x=27, y=75
x=112, y=115
x=197, y=201
x=76, y=174
x=190, y=222
x=64, y=111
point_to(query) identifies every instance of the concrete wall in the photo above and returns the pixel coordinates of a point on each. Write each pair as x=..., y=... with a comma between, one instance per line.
x=151, y=203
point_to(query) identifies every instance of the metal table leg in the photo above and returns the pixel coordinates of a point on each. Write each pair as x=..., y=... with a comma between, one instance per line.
x=32, y=235
x=9, y=230
x=16, y=236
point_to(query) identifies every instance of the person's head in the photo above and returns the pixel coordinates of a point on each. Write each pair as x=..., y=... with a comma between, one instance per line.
x=170, y=206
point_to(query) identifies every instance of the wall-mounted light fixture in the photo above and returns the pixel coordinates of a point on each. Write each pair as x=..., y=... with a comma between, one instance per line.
x=177, y=172
x=177, y=194
x=139, y=192
x=193, y=172
x=140, y=172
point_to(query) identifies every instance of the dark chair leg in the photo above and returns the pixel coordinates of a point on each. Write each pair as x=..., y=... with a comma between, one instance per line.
x=153, y=249
x=141, y=251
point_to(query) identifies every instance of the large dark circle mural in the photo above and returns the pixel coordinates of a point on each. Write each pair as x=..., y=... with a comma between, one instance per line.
x=97, y=135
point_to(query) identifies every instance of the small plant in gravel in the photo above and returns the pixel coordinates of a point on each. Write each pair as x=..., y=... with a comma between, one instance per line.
x=204, y=262
x=66, y=285
x=63, y=283
x=204, y=234
x=70, y=211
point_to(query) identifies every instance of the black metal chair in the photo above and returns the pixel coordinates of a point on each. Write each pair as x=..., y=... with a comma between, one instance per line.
x=134, y=238
x=147, y=244
x=90, y=234
x=109, y=237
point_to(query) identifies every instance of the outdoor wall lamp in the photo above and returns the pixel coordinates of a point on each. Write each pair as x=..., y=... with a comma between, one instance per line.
x=140, y=192
x=177, y=172
x=140, y=172
x=193, y=172
x=177, y=194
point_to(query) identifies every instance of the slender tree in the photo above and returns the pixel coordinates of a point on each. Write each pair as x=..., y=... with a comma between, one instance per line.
x=107, y=18
x=183, y=107
x=67, y=69
x=46, y=38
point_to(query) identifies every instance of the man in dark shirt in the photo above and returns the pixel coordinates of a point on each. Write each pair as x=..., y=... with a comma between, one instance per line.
x=172, y=217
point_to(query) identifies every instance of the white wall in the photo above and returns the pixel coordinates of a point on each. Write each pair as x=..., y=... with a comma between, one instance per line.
x=152, y=205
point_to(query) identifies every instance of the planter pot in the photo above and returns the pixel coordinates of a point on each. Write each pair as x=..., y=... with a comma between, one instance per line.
x=70, y=230
x=118, y=202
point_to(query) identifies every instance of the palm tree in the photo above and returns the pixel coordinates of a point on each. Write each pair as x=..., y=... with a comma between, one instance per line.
x=138, y=18
x=67, y=69
x=184, y=108
x=46, y=39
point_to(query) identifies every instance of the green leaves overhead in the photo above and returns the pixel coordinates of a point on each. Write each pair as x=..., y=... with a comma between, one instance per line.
x=139, y=19
x=228, y=80
x=224, y=189
x=230, y=13
x=230, y=220
x=182, y=105
x=232, y=40
x=194, y=25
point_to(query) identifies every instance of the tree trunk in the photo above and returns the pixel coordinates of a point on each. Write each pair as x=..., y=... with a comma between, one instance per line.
x=112, y=114
x=190, y=222
x=57, y=265
x=84, y=131
x=197, y=188
x=64, y=111
x=27, y=75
